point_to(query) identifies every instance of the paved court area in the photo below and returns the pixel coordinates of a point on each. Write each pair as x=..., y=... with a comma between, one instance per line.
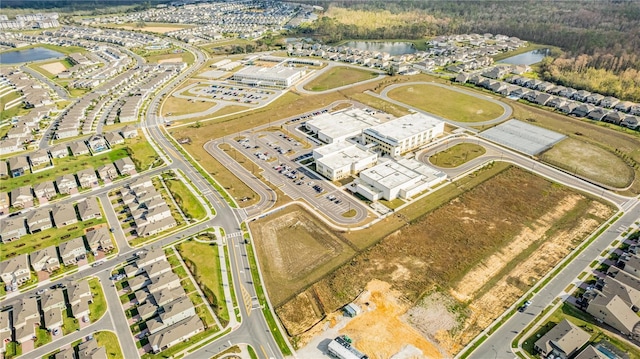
x=523, y=137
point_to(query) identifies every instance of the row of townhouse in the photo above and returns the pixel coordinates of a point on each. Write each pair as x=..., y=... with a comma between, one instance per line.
x=15, y=271
x=169, y=314
x=20, y=165
x=149, y=211
x=41, y=219
x=574, y=103
x=31, y=313
x=68, y=184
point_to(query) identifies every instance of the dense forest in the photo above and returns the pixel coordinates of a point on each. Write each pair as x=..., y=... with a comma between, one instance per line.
x=602, y=36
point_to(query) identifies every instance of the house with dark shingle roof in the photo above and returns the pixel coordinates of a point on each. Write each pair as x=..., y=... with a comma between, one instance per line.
x=562, y=341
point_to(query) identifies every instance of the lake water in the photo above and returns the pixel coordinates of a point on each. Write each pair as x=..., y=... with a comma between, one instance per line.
x=34, y=54
x=527, y=58
x=390, y=47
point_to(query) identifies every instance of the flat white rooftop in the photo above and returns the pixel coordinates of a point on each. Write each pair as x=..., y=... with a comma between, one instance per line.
x=393, y=174
x=343, y=123
x=271, y=73
x=345, y=156
x=404, y=127
x=523, y=137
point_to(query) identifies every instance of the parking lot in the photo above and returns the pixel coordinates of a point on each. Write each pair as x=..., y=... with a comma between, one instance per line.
x=280, y=156
x=226, y=93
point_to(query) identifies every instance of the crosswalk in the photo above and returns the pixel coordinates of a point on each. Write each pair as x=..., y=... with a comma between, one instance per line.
x=234, y=234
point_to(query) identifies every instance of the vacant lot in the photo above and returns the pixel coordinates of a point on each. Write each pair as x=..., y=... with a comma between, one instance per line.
x=175, y=106
x=157, y=27
x=186, y=199
x=294, y=250
x=590, y=161
x=449, y=104
x=433, y=252
x=457, y=155
x=338, y=76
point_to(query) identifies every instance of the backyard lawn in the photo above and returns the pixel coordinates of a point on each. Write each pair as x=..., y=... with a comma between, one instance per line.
x=110, y=342
x=99, y=305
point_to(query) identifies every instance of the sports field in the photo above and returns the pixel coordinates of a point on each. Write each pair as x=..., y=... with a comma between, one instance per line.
x=452, y=105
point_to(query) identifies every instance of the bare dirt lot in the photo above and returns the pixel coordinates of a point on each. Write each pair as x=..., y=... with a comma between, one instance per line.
x=171, y=59
x=442, y=248
x=54, y=67
x=295, y=249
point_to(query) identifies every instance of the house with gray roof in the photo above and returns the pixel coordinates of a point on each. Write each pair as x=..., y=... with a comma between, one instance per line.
x=78, y=148
x=175, y=334
x=4, y=169
x=562, y=341
x=79, y=292
x=631, y=265
x=138, y=282
x=21, y=197
x=177, y=310
x=157, y=269
x=39, y=220
x=97, y=144
x=66, y=353
x=99, y=240
x=113, y=138
x=87, y=178
x=72, y=251
x=612, y=310
x=44, y=190
x=147, y=310
x=125, y=166
x=45, y=259
x=53, y=298
x=108, y=172
x=5, y=203
x=59, y=151
x=150, y=256
x=52, y=318
x=156, y=227
x=40, y=157
x=129, y=131
x=26, y=318
x=5, y=331
x=163, y=297
x=591, y=352
x=15, y=270
x=90, y=350
x=89, y=209
x=166, y=281
x=12, y=229
x=64, y=214
x=67, y=184
x=18, y=166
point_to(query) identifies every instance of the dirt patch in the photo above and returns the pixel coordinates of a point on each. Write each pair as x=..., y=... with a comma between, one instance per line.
x=294, y=247
x=54, y=67
x=300, y=313
x=171, y=59
x=379, y=331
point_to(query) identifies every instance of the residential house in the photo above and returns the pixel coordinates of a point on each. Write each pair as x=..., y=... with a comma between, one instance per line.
x=147, y=310
x=108, y=172
x=78, y=148
x=44, y=190
x=635, y=109
x=150, y=256
x=138, y=282
x=543, y=98
x=79, y=291
x=141, y=296
x=15, y=270
x=582, y=110
x=580, y=95
x=5, y=331
x=18, y=166
x=39, y=220
x=99, y=239
x=26, y=318
x=562, y=341
x=177, y=310
x=591, y=353
x=90, y=350
x=141, y=183
x=166, y=281
x=631, y=265
x=4, y=170
x=52, y=299
x=613, y=117
x=5, y=203
x=597, y=114
x=72, y=251
x=594, y=98
x=612, y=310
x=12, y=229
x=64, y=214
x=568, y=107
x=40, y=157
x=623, y=106
x=624, y=285
x=10, y=145
x=89, y=209
x=175, y=334
x=52, y=319
x=556, y=102
x=125, y=166
x=462, y=78
x=45, y=259
x=67, y=353
x=113, y=138
x=163, y=297
x=97, y=143
x=629, y=121
x=21, y=197
x=129, y=131
x=67, y=184
x=59, y=151
x=159, y=226
x=87, y=178
x=157, y=268
x=609, y=102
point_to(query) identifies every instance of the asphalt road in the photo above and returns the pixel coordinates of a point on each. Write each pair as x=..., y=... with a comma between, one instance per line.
x=61, y=92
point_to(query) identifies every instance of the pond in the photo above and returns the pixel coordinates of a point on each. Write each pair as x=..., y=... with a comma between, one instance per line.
x=34, y=54
x=527, y=58
x=390, y=47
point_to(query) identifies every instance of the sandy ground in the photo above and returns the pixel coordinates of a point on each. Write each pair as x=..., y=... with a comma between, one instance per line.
x=54, y=67
x=173, y=59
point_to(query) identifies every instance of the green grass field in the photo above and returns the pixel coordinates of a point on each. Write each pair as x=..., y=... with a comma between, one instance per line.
x=111, y=343
x=99, y=305
x=590, y=161
x=457, y=155
x=187, y=201
x=446, y=103
x=205, y=258
x=46, y=238
x=339, y=76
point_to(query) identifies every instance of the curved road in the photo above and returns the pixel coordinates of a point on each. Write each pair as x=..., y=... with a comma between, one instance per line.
x=505, y=115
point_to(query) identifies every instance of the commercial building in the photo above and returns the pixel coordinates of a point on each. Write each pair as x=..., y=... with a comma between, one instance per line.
x=403, y=134
x=338, y=126
x=392, y=179
x=341, y=348
x=279, y=76
x=343, y=159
